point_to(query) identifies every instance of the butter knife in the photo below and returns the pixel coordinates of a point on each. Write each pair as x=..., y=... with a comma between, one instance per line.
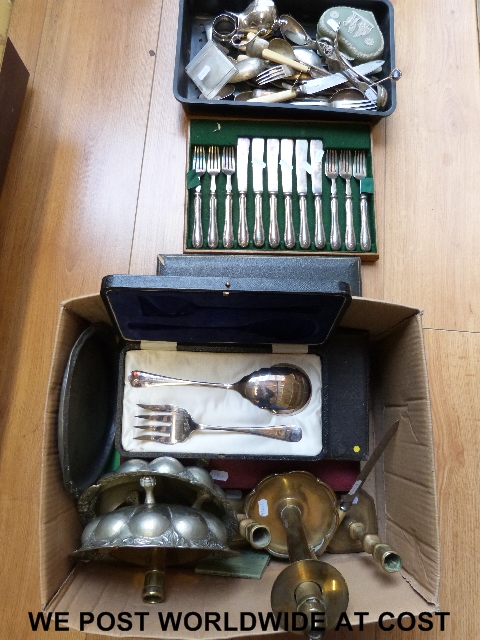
x=258, y=165
x=243, y=150
x=286, y=158
x=273, y=149
x=301, y=163
x=316, y=157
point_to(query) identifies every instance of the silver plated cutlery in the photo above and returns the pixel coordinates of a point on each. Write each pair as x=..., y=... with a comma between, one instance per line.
x=286, y=166
x=273, y=150
x=228, y=169
x=243, y=152
x=177, y=425
x=316, y=160
x=200, y=168
x=258, y=165
x=280, y=157
x=331, y=171
x=301, y=166
x=359, y=173
x=345, y=170
x=213, y=169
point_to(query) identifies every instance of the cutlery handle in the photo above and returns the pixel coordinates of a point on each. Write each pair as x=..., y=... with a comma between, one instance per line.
x=304, y=234
x=197, y=235
x=320, y=240
x=289, y=235
x=365, y=239
x=258, y=232
x=145, y=379
x=350, y=240
x=280, y=432
x=273, y=56
x=212, y=239
x=335, y=239
x=228, y=228
x=274, y=231
x=243, y=238
x=280, y=96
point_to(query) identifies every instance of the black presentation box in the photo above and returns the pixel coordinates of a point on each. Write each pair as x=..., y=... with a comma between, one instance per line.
x=233, y=313
x=191, y=37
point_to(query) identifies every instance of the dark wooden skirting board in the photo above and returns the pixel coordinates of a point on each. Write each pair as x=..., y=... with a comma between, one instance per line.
x=13, y=84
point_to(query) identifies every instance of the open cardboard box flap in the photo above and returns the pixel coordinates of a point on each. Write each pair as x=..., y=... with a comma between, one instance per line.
x=405, y=497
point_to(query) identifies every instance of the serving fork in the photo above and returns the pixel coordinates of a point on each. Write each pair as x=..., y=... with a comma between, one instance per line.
x=177, y=425
x=359, y=173
x=199, y=166
x=228, y=168
x=331, y=171
x=345, y=172
x=213, y=169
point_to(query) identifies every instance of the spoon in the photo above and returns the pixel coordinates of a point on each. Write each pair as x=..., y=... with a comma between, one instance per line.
x=281, y=389
x=294, y=32
x=248, y=68
x=309, y=57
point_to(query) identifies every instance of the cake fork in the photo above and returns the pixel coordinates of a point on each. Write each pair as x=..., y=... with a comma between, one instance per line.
x=345, y=172
x=199, y=166
x=213, y=169
x=228, y=168
x=359, y=173
x=331, y=171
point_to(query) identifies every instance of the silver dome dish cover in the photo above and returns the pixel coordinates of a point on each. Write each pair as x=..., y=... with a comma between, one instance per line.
x=153, y=535
x=174, y=485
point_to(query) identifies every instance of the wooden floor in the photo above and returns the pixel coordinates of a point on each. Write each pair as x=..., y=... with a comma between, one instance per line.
x=96, y=186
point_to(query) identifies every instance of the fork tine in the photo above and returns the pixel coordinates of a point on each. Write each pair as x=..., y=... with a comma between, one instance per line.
x=168, y=408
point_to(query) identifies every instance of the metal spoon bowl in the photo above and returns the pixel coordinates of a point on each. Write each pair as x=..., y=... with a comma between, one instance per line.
x=280, y=389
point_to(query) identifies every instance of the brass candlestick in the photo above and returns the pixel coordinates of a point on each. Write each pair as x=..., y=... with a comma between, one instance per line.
x=302, y=515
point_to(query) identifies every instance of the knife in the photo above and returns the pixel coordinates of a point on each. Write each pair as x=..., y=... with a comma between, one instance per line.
x=258, y=165
x=301, y=164
x=312, y=87
x=243, y=150
x=286, y=158
x=348, y=499
x=316, y=157
x=273, y=148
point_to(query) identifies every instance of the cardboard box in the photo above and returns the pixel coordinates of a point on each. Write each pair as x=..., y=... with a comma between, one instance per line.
x=404, y=487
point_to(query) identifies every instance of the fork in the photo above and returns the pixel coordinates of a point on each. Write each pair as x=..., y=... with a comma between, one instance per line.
x=359, y=173
x=273, y=74
x=331, y=171
x=213, y=169
x=177, y=425
x=345, y=172
x=199, y=166
x=228, y=168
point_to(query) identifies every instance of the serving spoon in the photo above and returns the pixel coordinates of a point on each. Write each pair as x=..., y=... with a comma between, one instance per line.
x=280, y=389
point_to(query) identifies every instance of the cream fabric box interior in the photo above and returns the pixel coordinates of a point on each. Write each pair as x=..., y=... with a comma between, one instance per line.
x=209, y=330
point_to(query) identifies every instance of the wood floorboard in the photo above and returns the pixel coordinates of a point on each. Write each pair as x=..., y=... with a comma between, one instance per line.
x=161, y=202
x=432, y=222
x=70, y=222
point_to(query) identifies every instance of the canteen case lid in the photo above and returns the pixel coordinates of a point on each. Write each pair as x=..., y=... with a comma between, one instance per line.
x=217, y=310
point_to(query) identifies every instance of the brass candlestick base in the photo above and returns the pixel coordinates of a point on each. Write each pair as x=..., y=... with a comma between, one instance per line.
x=271, y=503
x=302, y=515
x=313, y=588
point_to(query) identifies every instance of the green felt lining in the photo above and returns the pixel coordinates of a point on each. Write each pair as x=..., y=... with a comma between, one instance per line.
x=335, y=136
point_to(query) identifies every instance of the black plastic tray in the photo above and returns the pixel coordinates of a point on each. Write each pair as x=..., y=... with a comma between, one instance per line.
x=191, y=38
